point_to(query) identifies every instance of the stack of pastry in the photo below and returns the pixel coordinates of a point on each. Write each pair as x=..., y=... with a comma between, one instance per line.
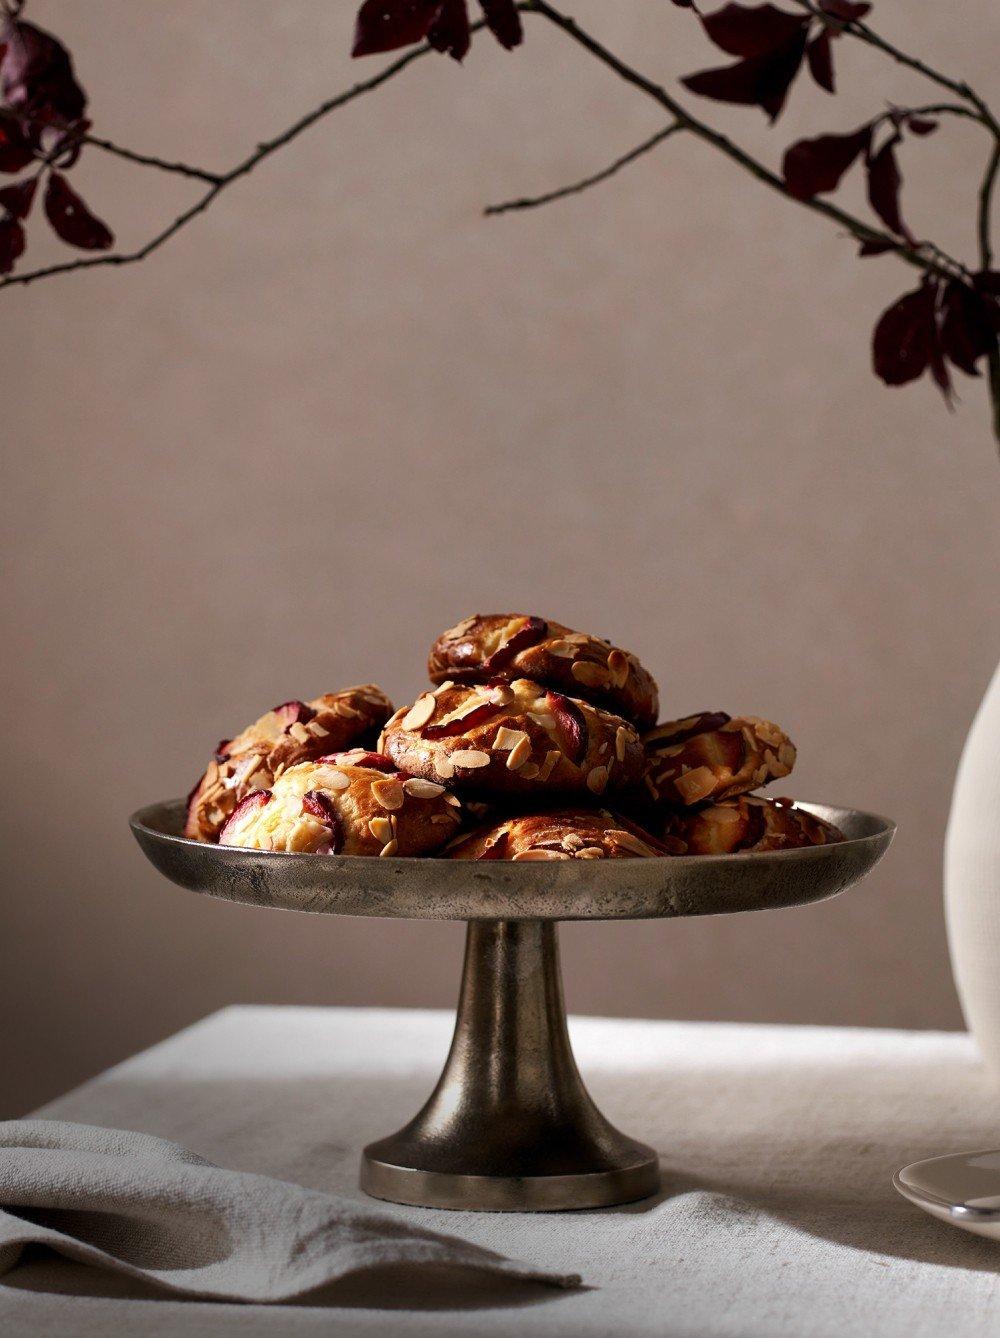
x=535, y=742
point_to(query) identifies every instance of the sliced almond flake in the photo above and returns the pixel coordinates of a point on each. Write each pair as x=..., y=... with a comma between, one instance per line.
x=508, y=738
x=381, y=829
x=597, y=779
x=536, y=853
x=590, y=674
x=572, y=841
x=786, y=755
x=621, y=742
x=551, y=758
x=618, y=668
x=650, y=786
x=388, y=793
x=471, y=759
x=389, y=848
x=422, y=789
x=445, y=817
x=443, y=687
x=564, y=650
x=543, y=719
x=336, y=780
x=626, y=841
x=590, y=852
x=519, y=754
x=444, y=766
x=529, y=771
x=316, y=730
x=346, y=712
x=603, y=749
x=696, y=784
x=454, y=800
x=419, y=713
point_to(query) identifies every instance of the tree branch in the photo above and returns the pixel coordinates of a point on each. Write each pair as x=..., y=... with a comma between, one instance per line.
x=575, y=188
x=182, y=169
x=221, y=181
x=688, y=121
x=857, y=28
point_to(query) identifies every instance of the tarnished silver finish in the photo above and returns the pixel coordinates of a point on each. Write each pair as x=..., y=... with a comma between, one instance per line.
x=439, y=889
x=510, y=1126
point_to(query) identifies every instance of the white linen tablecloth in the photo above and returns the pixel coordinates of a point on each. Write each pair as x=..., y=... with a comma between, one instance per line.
x=777, y=1214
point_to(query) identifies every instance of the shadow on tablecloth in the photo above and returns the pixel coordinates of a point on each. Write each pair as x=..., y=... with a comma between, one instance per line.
x=811, y=1146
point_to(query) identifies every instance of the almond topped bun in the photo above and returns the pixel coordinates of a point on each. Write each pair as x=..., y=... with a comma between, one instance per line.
x=291, y=733
x=502, y=738
x=566, y=834
x=745, y=824
x=516, y=645
x=714, y=756
x=349, y=804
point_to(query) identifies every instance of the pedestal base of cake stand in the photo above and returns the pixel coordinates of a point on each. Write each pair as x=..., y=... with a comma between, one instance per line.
x=510, y=1126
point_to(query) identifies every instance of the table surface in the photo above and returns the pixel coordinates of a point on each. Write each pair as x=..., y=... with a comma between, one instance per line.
x=777, y=1215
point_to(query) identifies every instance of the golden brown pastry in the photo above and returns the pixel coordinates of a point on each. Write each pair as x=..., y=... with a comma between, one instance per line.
x=500, y=738
x=348, y=804
x=746, y=823
x=293, y=732
x=712, y=756
x=516, y=645
x=561, y=834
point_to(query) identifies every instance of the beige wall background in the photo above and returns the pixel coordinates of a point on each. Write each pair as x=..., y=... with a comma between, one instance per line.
x=343, y=410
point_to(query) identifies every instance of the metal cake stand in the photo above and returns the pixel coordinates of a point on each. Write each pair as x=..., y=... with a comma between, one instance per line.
x=510, y=1125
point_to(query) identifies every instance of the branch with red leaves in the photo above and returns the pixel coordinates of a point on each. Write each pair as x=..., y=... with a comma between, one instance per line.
x=951, y=320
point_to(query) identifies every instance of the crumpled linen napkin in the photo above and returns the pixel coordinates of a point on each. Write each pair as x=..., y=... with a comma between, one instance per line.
x=138, y=1205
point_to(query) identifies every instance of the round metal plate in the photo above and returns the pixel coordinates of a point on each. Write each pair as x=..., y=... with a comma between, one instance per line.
x=441, y=889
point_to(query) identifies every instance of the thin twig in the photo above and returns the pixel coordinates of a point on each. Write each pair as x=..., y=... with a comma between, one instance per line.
x=859, y=229
x=533, y=201
x=225, y=179
x=182, y=169
x=857, y=28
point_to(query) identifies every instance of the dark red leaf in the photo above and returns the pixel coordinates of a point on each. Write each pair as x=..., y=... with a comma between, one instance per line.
x=384, y=25
x=752, y=30
x=761, y=81
x=877, y=248
x=905, y=336
x=819, y=54
x=17, y=199
x=36, y=76
x=845, y=10
x=987, y=281
x=11, y=243
x=503, y=21
x=816, y=166
x=71, y=219
x=969, y=326
x=449, y=33
x=921, y=125
x=16, y=151
x=884, y=181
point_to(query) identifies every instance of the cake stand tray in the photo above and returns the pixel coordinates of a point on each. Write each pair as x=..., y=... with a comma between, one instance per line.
x=510, y=1125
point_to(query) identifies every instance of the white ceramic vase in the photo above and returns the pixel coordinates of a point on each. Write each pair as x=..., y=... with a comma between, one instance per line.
x=972, y=878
